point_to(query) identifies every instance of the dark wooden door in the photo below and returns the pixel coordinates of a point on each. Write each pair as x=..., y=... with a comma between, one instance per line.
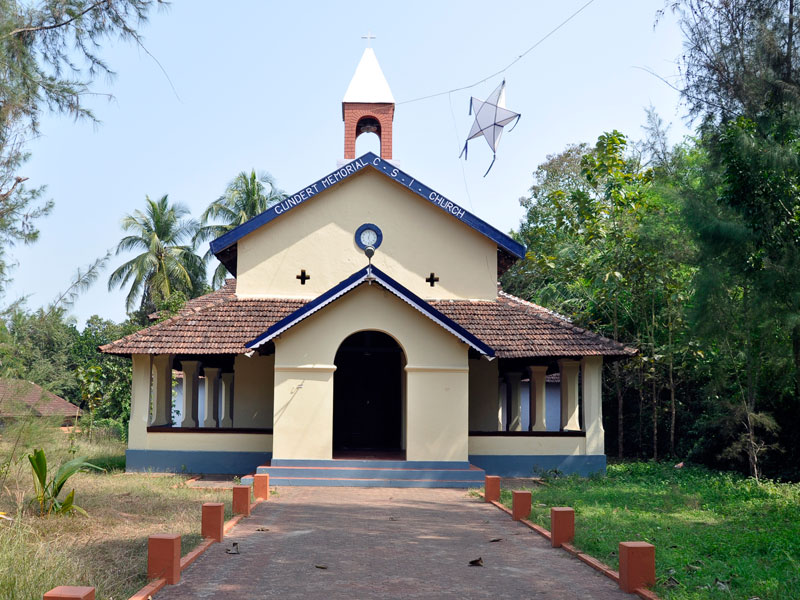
x=367, y=399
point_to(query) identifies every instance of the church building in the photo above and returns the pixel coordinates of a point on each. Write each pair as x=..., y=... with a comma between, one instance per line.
x=363, y=340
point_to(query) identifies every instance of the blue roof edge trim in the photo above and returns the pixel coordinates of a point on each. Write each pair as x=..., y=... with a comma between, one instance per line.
x=356, y=279
x=369, y=159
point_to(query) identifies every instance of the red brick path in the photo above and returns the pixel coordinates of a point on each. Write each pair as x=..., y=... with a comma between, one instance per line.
x=385, y=543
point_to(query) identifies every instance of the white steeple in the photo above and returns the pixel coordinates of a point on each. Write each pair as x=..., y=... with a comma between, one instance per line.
x=368, y=84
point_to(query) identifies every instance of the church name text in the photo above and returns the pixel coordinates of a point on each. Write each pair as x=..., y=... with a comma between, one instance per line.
x=351, y=168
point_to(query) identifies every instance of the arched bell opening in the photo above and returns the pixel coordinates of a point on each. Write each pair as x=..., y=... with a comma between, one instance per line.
x=368, y=143
x=368, y=397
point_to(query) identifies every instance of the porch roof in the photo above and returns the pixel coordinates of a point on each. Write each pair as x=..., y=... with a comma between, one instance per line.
x=221, y=323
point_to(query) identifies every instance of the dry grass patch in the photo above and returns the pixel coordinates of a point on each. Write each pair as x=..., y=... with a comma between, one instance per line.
x=107, y=549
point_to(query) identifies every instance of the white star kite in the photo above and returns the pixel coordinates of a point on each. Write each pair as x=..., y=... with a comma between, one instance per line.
x=491, y=116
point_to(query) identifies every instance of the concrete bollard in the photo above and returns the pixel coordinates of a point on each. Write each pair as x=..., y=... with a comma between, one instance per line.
x=213, y=521
x=241, y=500
x=70, y=592
x=520, y=505
x=562, y=525
x=637, y=565
x=491, y=488
x=164, y=557
x=261, y=486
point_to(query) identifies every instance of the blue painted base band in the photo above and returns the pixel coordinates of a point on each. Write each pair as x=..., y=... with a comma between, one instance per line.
x=195, y=461
x=509, y=465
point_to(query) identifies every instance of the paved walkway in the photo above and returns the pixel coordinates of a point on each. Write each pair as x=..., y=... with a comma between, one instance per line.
x=385, y=543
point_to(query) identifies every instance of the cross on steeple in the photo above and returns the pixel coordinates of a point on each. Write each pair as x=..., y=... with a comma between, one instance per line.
x=303, y=277
x=432, y=279
x=369, y=37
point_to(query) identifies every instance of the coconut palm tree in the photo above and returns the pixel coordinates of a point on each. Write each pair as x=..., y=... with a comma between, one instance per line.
x=167, y=263
x=246, y=196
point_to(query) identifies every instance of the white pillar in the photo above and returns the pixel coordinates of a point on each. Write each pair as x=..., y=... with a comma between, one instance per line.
x=140, y=401
x=513, y=410
x=162, y=380
x=538, y=394
x=592, y=380
x=226, y=404
x=211, y=400
x=191, y=371
x=569, y=395
x=500, y=402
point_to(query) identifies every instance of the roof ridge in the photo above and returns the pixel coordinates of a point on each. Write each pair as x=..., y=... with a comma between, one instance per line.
x=536, y=306
x=564, y=322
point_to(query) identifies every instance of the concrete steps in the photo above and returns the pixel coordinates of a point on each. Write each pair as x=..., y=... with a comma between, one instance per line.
x=372, y=473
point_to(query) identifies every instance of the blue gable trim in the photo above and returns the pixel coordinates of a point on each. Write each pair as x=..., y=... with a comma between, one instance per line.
x=369, y=160
x=374, y=274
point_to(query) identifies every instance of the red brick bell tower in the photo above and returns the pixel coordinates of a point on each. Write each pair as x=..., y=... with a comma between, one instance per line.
x=368, y=107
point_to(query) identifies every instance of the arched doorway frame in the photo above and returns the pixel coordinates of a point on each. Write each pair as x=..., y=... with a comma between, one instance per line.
x=402, y=382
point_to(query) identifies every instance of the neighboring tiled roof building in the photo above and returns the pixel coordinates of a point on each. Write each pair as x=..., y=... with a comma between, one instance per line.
x=221, y=323
x=20, y=398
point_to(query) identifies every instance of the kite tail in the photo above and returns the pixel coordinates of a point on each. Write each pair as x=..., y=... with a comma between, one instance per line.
x=491, y=165
x=515, y=122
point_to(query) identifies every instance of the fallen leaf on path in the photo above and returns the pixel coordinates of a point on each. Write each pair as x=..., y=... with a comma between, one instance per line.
x=495, y=540
x=321, y=566
x=234, y=549
x=478, y=562
x=262, y=528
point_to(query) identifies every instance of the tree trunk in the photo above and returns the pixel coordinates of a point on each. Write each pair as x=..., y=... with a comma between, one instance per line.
x=671, y=397
x=618, y=388
x=655, y=420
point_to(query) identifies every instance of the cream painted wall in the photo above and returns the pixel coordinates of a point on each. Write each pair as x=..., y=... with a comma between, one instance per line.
x=482, y=395
x=318, y=236
x=217, y=442
x=522, y=445
x=436, y=377
x=253, y=383
x=140, y=400
x=438, y=414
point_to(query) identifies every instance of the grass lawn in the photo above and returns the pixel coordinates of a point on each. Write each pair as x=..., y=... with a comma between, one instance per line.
x=107, y=549
x=717, y=535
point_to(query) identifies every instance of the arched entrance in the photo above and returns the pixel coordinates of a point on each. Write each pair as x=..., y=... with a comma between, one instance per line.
x=368, y=395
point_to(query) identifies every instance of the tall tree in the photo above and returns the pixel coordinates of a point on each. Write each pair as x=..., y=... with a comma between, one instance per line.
x=167, y=262
x=741, y=80
x=246, y=196
x=49, y=56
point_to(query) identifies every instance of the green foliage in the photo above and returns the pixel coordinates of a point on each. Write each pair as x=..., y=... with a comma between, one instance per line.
x=716, y=534
x=167, y=263
x=246, y=196
x=48, y=490
x=49, y=56
x=90, y=379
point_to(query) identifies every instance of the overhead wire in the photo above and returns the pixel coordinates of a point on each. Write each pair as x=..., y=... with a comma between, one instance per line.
x=509, y=65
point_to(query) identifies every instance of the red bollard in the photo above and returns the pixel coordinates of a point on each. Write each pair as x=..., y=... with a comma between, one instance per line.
x=637, y=565
x=520, y=505
x=261, y=486
x=213, y=522
x=562, y=525
x=70, y=592
x=241, y=500
x=491, y=488
x=164, y=557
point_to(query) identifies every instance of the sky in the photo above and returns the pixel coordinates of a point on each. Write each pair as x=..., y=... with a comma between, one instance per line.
x=259, y=84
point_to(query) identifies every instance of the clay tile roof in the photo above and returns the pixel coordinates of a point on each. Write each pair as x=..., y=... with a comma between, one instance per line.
x=221, y=323
x=519, y=329
x=19, y=397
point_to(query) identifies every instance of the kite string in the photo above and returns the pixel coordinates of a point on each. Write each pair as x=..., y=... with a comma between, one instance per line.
x=509, y=65
x=458, y=143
